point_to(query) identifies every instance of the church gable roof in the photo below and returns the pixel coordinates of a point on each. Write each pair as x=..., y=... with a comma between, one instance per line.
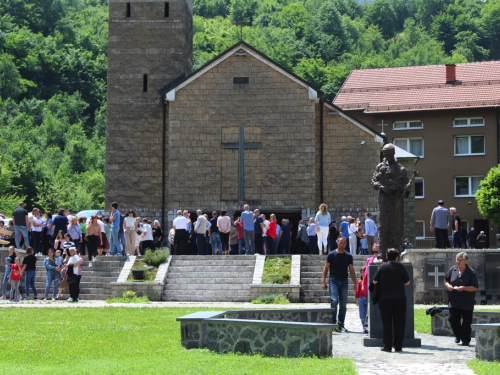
x=168, y=91
x=422, y=88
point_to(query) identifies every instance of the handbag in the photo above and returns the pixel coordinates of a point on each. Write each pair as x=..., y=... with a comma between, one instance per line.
x=317, y=229
x=374, y=293
x=71, y=279
x=138, y=232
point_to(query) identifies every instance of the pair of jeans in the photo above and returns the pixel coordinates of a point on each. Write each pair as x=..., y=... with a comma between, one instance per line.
x=5, y=280
x=29, y=281
x=14, y=289
x=52, y=277
x=249, y=242
x=216, y=242
x=363, y=310
x=200, y=243
x=37, y=241
x=338, y=295
x=241, y=245
x=123, y=243
x=284, y=246
x=21, y=230
x=114, y=244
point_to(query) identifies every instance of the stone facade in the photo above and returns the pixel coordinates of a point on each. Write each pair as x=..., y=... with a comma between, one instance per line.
x=440, y=325
x=146, y=48
x=487, y=341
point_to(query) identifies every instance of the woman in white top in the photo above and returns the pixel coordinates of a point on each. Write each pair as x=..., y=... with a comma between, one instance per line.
x=36, y=230
x=224, y=225
x=322, y=221
x=129, y=229
x=353, y=239
x=147, y=236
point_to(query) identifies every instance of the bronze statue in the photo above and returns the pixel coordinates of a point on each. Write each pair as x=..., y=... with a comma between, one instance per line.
x=391, y=180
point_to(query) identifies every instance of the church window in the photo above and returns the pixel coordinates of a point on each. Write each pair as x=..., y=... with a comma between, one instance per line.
x=468, y=122
x=145, y=83
x=403, y=125
x=412, y=145
x=466, y=186
x=241, y=80
x=469, y=145
x=127, y=10
x=167, y=10
x=419, y=187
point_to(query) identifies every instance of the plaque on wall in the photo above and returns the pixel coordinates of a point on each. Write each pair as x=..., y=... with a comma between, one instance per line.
x=435, y=271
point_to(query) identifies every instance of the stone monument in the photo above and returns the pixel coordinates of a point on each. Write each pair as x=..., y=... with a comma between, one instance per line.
x=391, y=181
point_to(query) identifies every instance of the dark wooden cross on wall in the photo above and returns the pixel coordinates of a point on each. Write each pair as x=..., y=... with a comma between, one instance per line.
x=241, y=146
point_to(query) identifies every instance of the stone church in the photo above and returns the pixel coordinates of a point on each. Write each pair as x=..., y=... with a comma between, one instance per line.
x=240, y=129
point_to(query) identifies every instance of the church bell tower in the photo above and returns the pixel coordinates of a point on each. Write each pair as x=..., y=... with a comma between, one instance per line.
x=150, y=44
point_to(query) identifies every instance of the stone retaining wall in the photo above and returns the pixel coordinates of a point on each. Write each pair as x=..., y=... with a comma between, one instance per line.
x=293, y=332
x=440, y=325
x=487, y=341
x=153, y=291
x=291, y=292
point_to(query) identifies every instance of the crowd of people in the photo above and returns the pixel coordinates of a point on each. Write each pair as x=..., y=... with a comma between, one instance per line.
x=252, y=233
x=442, y=219
x=117, y=234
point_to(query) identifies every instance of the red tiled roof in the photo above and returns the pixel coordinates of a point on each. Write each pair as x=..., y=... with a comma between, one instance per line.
x=421, y=88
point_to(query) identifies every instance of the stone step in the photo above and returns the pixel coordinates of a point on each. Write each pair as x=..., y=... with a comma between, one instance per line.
x=213, y=286
x=214, y=262
x=205, y=299
x=94, y=291
x=209, y=293
x=207, y=275
x=323, y=300
x=228, y=267
x=198, y=258
x=208, y=281
x=42, y=279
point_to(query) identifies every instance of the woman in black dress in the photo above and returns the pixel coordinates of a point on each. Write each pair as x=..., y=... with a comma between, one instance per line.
x=461, y=282
x=392, y=278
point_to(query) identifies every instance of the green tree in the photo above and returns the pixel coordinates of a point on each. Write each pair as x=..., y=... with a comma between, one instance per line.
x=380, y=13
x=490, y=21
x=488, y=196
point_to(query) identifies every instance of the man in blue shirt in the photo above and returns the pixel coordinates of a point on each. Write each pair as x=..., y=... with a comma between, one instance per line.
x=370, y=231
x=344, y=230
x=248, y=229
x=115, y=228
x=258, y=225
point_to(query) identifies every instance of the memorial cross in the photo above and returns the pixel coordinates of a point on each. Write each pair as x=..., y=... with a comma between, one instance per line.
x=436, y=275
x=241, y=24
x=241, y=146
x=382, y=125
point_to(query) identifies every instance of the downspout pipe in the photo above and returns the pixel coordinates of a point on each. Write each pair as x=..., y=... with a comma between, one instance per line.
x=163, y=152
x=321, y=151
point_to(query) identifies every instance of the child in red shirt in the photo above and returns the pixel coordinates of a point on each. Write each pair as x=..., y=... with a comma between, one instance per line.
x=14, y=280
x=362, y=301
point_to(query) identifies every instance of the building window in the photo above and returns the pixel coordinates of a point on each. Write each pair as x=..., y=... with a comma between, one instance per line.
x=420, y=229
x=468, y=122
x=466, y=186
x=469, y=145
x=127, y=11
x=401, y=125
x=413, y=145
x=419, y=187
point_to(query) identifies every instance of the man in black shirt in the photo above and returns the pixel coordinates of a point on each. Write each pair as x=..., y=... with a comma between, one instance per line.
x=20, y=219
x=29, y=269
x=339, y=262
x=456, y=226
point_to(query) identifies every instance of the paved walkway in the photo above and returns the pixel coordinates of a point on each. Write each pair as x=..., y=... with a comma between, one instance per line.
x=438, y=355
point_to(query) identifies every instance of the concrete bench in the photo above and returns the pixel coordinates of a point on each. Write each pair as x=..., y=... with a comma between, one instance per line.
x=440, y=325
x=297, y=332
x=487, y=341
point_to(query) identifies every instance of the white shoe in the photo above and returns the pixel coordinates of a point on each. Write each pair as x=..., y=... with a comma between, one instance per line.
x=69, y=300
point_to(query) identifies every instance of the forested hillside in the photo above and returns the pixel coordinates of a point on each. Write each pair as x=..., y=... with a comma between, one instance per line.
x=53, y=60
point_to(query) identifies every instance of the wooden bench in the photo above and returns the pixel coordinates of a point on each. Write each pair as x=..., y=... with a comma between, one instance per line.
x=487, y=341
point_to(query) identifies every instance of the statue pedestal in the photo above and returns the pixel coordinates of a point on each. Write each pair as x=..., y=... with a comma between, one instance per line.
x=375, y=325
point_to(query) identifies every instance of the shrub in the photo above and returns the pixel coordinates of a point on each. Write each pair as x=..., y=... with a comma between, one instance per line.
x=276, y=299
x=128, y=296
x=155, y=258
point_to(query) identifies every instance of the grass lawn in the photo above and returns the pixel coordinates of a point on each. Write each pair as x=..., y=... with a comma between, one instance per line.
x=423, y=325
x=126, y=341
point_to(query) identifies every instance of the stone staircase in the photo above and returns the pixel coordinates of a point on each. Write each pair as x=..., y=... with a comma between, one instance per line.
x=311, y=268
x=209, y=278
x=95, y=282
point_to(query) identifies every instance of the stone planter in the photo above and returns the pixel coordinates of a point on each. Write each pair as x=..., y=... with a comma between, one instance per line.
x=291, y=292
